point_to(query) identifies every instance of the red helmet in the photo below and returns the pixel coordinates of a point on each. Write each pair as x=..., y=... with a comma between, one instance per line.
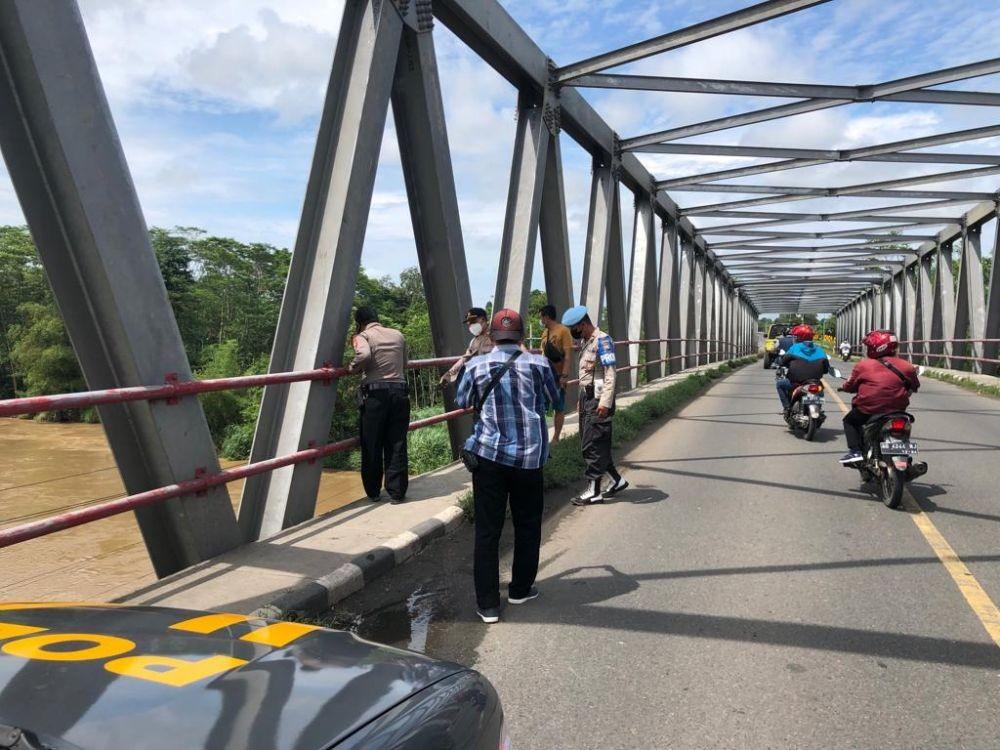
x=880, y=344
x=802, y=332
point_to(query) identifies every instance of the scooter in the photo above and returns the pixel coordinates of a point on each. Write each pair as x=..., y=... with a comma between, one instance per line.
x=845, y=352
x=890, y=456
x=806, y=415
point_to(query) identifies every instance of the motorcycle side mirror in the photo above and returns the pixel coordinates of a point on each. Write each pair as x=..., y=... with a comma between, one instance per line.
x=836, y=373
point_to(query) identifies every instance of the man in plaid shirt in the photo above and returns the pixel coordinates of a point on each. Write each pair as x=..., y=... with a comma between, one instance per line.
x=510, y=444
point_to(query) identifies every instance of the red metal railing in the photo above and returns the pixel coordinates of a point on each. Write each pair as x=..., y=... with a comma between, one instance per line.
x=926, y=356
x=97, y=511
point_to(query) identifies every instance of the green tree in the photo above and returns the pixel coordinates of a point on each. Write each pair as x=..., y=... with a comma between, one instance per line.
x=22, y=281
x=43, y=356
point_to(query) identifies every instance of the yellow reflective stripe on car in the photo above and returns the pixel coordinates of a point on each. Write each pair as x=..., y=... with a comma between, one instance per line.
x=209, y=623
x=279, y=634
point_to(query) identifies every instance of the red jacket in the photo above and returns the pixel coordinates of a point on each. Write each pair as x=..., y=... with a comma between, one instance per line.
x=879, y=390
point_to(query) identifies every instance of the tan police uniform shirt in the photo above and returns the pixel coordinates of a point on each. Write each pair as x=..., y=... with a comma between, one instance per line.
x=598, y=353
x=380, y=353
x=481, y=344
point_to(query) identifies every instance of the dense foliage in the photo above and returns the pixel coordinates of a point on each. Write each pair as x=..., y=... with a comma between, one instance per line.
x=226, y=296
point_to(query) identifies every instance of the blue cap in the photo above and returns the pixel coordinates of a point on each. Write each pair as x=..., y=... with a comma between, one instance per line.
x=574, y=315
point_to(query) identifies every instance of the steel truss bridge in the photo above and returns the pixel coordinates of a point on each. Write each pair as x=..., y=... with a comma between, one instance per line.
x=685, y=297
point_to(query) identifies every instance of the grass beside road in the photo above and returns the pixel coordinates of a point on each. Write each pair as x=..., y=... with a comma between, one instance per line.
x=565, y=465
x=966, y=383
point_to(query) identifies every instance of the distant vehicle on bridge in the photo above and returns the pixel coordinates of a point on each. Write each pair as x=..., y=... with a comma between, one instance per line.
x=776, y=331
x=97, y=677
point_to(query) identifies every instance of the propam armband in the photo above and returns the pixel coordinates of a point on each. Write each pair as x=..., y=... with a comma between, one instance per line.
x=606, y=351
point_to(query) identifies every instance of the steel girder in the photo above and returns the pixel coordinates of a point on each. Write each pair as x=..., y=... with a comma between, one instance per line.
x=69, y=172
x=870, y=93
x=771, y=89
x=707, y=29
x=847, y=155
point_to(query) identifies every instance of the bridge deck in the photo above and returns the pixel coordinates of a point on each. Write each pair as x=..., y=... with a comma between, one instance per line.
x=745, y=593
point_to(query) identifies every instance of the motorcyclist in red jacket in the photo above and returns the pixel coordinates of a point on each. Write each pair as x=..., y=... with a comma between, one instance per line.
x=882, y=383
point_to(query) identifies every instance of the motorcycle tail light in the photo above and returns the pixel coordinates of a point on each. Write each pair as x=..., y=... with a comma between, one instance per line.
x=815, y=388
x=898, y=424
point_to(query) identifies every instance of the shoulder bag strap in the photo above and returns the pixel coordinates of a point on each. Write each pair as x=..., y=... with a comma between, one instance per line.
x=895, y=370
x=478, y=406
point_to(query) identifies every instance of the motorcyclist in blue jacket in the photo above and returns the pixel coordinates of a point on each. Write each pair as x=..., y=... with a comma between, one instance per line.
x=805, y=361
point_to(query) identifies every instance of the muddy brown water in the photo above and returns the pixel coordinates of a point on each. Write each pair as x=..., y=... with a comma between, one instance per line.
x=50, y=467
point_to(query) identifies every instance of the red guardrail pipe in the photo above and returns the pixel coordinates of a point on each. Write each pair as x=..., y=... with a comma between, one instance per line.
x=69, y=519
x=173, y=389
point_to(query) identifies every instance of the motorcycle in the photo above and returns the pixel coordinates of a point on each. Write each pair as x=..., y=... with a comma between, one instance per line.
x=845, y=352
x=806, y=415
x=890, y=456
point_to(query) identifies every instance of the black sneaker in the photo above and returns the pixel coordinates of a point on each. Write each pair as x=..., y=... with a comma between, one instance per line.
x=621, y=484
x=532, y=594
x=397, y=500
x=489, y=615
x=854, y=457
x=588, y=498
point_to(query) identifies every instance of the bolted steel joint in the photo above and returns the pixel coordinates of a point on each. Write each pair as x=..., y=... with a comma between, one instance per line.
x=425, y=15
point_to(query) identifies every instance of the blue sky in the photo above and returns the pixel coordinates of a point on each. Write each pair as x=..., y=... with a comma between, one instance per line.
x=217, y=105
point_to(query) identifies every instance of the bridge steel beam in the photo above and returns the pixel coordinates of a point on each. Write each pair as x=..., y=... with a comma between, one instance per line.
x=772, y=89
x=668, y=300
x=489, y=31
x=705, y=30
x=425, y=156
x=846, y=155
x=554, y=234
x=524, y=201
x=686, y=297
x=322, y=278
x=603, y=196
x=991, y=350
x=943, y=320
x=69, y=172
x=643, y=320
x=970, y=305
x=614, y=282
x=871, y=93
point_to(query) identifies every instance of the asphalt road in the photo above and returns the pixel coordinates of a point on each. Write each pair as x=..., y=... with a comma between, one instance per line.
x=746, y=593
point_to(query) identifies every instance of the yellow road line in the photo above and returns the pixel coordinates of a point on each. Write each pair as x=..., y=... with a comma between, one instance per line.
x=975, y=595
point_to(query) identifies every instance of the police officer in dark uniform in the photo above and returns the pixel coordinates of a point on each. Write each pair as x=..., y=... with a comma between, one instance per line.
x=385, y=405
x=596, y=405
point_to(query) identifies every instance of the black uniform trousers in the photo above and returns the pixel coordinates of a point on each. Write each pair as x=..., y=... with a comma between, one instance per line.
x=384, y=419
x=595, y=436
x=493, y=487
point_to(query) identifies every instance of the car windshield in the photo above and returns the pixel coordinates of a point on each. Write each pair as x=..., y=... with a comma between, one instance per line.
x=775, y=331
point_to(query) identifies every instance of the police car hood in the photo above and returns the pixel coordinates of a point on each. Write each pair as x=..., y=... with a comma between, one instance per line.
x=96, y=677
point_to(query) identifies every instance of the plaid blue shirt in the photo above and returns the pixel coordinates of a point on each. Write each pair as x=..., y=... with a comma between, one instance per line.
x=511, y=428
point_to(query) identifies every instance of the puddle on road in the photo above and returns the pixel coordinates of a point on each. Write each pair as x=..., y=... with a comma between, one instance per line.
x=405, y=624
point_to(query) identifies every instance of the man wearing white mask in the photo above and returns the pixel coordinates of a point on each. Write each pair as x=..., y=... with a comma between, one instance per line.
x=481, y=343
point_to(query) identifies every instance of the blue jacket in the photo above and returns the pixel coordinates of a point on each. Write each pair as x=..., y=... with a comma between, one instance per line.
x=805, y=361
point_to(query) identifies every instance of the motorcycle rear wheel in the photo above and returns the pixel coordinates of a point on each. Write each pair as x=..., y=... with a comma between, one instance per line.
x=890, y=486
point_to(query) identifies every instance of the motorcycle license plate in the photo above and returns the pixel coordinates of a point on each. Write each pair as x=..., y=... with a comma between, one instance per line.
x=898, y=448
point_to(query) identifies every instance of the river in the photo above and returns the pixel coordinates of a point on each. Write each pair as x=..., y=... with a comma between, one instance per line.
x=50, y=467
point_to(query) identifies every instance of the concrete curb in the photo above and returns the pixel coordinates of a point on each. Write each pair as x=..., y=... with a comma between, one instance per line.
x=322, y=593
x=349, y=578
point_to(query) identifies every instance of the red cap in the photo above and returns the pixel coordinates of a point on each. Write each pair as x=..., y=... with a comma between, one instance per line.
x=506, y=326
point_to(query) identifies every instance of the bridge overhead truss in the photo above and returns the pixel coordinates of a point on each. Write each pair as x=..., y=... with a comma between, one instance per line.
x=680, y=290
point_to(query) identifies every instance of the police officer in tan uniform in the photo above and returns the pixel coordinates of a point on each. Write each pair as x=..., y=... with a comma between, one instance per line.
x=385, y=405
x=481, y=343
x=596, y=405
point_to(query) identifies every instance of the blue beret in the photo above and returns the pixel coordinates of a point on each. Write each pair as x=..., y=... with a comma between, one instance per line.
x=574, y=315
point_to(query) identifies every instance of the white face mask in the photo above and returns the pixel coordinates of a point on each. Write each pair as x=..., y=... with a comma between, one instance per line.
x=476, y=328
